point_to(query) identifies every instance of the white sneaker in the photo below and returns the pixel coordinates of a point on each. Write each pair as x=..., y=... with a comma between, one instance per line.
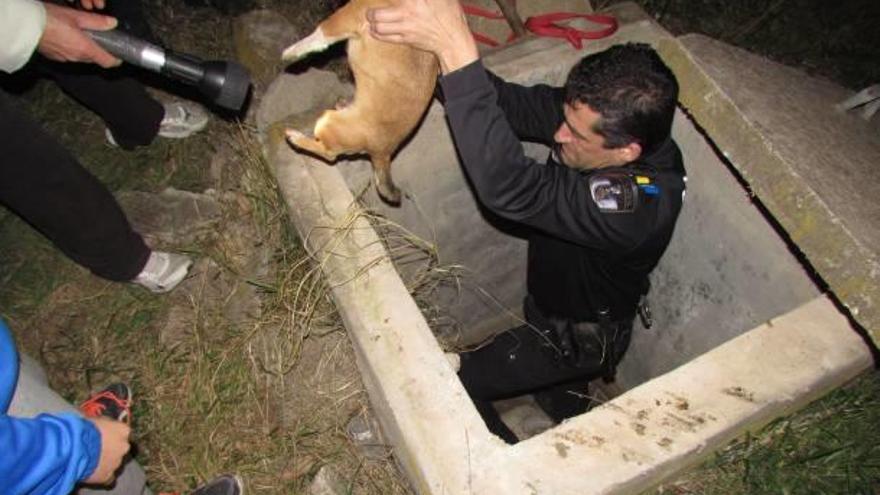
x=163, y=271
x=182, y=119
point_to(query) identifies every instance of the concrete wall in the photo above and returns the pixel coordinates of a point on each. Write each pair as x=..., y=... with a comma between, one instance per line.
x=812, y=166
x=725, y=271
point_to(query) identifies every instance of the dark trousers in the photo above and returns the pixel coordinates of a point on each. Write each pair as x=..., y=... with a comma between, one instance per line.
x=131, y=114
x=45, y=185
x=530, y=359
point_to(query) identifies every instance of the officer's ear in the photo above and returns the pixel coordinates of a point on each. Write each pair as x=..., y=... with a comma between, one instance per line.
x=629, y=153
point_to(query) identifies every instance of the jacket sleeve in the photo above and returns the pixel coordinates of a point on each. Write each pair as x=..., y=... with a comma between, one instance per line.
x=48, y=454
x=21, y=26
x=552, y=198
x=534, y=112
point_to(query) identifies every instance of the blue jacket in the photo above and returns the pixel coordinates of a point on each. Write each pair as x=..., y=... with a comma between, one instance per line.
x=48, y=454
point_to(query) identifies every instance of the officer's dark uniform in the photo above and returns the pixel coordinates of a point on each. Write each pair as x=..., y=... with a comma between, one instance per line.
x=595, y=236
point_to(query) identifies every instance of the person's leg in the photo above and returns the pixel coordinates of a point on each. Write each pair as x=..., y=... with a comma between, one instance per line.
x=41, y=182
x=130, y=113
x=518, y=361
x=565, y=400
x=33, y=397
x=493, y=420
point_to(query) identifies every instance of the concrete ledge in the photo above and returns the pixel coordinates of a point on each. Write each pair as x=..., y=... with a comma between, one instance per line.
x=657, y=429
x=814, y=168
x=422, y=407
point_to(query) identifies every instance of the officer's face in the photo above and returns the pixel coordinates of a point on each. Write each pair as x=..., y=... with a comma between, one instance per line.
x=580, y=146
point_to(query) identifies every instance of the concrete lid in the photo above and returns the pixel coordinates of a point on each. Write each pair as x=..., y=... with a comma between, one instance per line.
x=813, y=167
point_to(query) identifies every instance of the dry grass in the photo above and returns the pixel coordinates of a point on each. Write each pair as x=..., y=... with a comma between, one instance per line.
x=268, y=398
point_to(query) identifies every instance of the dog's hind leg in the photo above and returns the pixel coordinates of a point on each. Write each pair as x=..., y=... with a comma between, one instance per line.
x=335, y=134
x=300, y=141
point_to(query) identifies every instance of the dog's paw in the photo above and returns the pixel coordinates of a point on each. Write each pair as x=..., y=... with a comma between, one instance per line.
x=293, y=53
x=294, y=136
x=386, y=189
x=315, y=42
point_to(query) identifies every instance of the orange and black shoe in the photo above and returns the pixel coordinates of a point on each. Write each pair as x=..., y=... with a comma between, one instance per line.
x=226, y=484
x=113, y=402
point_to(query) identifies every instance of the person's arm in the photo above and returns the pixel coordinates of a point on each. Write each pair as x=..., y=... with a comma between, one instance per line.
x=53, y=30
x=47, y=454
x=21, y=26
x=64, y=40
x=440, y=27
x=553, y=198
x=534, y=112
x=51, y=453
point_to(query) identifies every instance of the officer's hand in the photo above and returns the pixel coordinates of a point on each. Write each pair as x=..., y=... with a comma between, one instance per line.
x=436, y=26
x=114, y=446
x=63, y=39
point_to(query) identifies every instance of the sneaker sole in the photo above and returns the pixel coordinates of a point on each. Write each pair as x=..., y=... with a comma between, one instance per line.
x=182, y=132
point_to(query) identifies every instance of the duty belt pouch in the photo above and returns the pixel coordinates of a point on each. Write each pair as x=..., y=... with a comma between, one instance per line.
x=557, y=334
x=601, y=346
x=594, y=347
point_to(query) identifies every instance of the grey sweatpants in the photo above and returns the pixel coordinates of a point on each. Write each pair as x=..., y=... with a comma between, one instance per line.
x=33, y=396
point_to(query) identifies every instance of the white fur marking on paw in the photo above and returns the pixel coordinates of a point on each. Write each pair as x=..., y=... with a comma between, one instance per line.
x=293, y=135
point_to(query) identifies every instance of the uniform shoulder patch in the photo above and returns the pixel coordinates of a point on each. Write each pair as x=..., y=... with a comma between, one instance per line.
x=614, y=192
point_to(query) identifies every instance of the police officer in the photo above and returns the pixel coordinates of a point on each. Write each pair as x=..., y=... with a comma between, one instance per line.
x=600, y=212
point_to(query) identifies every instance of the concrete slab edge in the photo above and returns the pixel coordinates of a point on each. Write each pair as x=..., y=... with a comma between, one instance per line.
x=421, y=405
x=662, y=427
x=851, y=270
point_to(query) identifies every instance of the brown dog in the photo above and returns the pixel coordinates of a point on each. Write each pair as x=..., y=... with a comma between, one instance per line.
x=393, y=86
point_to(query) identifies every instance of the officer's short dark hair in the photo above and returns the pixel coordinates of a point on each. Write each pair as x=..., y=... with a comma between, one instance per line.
x=633, y=90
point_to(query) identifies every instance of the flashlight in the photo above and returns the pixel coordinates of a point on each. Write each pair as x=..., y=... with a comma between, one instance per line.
x=224, y=83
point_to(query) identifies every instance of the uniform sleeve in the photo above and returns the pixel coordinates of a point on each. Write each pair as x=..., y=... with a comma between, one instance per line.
x=534, y=112
x=48, y=454
x=553, y=198
x=21, y=26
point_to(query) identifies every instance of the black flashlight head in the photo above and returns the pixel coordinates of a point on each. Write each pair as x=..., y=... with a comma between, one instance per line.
x=226, y=84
